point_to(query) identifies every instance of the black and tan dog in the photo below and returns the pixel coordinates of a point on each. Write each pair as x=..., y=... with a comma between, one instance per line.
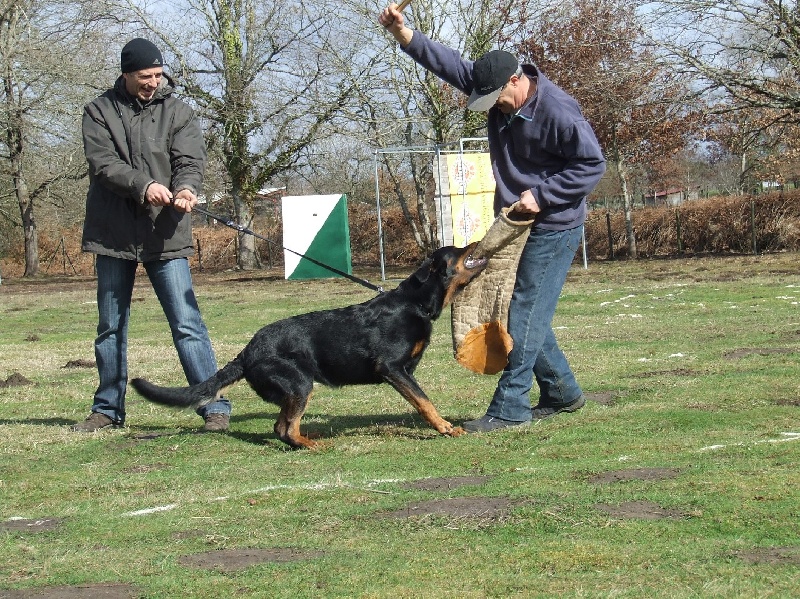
x=379, y=341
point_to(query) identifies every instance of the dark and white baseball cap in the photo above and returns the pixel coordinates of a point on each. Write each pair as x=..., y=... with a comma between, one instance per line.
x=490, y=73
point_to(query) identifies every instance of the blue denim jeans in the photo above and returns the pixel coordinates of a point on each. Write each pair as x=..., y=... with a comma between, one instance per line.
x=542, y=270
x=172, y=283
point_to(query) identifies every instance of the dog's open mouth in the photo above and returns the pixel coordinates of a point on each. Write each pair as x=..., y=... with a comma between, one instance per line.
x=471, y=262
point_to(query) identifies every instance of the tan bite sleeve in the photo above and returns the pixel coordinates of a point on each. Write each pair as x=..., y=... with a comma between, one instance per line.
x=480, y=312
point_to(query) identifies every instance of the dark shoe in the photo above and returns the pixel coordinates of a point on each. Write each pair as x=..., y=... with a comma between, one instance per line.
x=541, y=412
x=217, y=423
x=94, y=422
x=488, y=423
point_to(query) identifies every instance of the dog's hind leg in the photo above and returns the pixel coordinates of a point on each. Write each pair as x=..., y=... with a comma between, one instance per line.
x=280, y=382
x=408, y=387
x=287, y=427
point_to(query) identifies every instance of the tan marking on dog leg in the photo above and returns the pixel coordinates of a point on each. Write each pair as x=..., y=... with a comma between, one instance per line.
x=419, y=347
x=426, y=409
x=287, y=427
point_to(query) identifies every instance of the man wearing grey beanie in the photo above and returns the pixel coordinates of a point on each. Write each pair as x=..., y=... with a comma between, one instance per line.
x=146, y=158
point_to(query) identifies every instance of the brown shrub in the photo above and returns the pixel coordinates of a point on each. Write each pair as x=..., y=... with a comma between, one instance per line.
x=716, y=225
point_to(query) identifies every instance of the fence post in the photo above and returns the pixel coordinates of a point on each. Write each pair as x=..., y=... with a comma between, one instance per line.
x=753, y=225
x=678, y=230
x=199, y=255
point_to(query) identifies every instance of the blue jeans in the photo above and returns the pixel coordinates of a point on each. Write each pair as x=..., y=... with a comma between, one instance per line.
x=542, y=270
x=172, y=283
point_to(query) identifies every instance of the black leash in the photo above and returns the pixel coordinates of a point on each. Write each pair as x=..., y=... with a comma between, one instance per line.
x=242, y=229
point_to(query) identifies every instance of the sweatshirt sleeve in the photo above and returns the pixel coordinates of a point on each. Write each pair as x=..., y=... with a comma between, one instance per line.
x=443, y=61
x=583, y=168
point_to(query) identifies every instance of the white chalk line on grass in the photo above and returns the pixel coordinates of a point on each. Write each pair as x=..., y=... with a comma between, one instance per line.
x=306, y=486
x=152, y=510
x=784, y=438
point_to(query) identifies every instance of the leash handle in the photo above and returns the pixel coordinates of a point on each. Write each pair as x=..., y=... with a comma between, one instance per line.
x=242, y=229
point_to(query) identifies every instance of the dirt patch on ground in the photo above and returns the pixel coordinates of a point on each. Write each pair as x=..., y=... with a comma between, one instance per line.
x=231, y=560
x=771, y=555
x=483, y=508
x=446, y=484
x=88, y=591
x=151, y=436
x=604, y=398
x=640, y=510
x=617, y=476
x=80, y=364
x=15, y=380
x=743, y=352
x=29, y=525
x=675, y=372
x=788, y=402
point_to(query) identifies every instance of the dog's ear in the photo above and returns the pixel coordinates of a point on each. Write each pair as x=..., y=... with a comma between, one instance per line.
x=424, y=271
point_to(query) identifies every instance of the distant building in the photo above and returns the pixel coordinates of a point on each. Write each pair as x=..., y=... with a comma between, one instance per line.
x=671, y=197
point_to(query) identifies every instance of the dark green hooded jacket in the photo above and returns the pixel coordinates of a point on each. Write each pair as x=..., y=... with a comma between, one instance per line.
x=129, y=145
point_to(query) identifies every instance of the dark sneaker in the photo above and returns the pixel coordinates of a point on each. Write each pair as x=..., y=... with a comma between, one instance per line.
x=488, y=423
x=541, y=412
x=94, y=422
x=217, y=423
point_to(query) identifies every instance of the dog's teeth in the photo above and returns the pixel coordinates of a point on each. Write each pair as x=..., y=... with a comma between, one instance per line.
x=471, y=262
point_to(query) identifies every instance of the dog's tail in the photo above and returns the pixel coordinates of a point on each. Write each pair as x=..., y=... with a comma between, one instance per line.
x=194, y=396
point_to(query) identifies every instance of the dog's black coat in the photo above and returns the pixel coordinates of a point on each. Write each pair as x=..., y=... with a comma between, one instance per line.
x=381, y=340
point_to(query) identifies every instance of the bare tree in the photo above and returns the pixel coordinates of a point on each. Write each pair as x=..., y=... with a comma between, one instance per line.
x=747, y=49
x=271, y=78
x=414, y=109
x=744, y=56
x=41, y=43
x=639, y=110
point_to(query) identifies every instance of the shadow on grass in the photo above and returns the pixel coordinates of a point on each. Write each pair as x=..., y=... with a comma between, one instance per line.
x=38, y=421
x=325, y=427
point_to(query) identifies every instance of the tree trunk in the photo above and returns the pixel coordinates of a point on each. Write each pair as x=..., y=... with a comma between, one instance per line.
x=742, y=172
x=14, y=140
x=28, y=227
x=401, y=198
x=247, y=256
x=630, y=234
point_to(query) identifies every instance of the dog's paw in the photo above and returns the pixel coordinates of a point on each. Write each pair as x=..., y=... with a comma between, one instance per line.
x=456, y=431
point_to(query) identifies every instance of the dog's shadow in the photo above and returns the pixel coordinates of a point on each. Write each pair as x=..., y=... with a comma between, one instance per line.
x=38, y=421
x=327, y=428
x=321, y=427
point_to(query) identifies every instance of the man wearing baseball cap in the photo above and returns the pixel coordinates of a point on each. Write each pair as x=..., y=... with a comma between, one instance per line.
x=146, y=158
x=546, y=160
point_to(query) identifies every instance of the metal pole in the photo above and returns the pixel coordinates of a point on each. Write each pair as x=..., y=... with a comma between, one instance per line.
x=585, y=258
x=380, y=226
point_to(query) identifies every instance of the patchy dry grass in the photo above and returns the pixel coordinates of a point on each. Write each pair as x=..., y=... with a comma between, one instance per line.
x=678, y=479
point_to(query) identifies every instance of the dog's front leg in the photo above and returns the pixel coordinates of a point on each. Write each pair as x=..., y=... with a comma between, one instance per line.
x=408, y=387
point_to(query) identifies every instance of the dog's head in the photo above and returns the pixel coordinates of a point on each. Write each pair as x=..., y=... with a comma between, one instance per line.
x=446, y=272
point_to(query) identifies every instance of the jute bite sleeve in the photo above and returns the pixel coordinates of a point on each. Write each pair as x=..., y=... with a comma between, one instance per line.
x=480, y=312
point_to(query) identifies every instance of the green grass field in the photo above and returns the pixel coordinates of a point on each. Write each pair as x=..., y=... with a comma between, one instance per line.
x=678, y=479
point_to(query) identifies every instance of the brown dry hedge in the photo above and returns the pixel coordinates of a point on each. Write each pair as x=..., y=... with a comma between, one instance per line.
x=720, y=225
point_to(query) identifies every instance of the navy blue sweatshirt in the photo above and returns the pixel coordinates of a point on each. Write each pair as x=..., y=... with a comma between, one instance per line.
x=547, y=146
